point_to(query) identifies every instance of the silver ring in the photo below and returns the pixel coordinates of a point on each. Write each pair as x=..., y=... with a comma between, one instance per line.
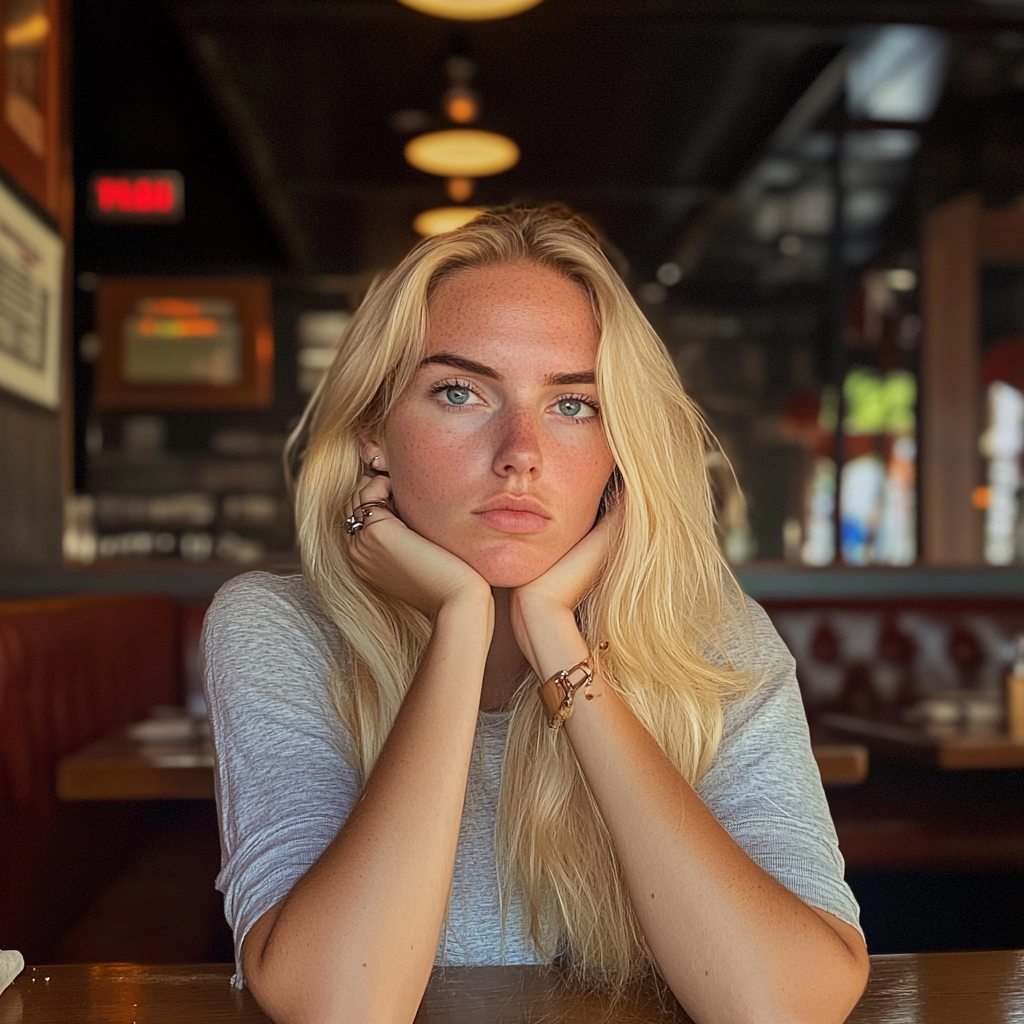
x=365, y=511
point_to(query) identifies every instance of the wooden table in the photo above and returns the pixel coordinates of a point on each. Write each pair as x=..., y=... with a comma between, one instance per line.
x=951, y=751
x=933, y=988
x=119, y=768
x=841, y=763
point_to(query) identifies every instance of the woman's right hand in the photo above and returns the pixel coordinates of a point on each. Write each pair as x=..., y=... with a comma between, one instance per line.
x=397, y=560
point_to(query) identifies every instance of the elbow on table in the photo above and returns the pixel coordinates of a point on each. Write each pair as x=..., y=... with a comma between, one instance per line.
x=826, y=1001
x=294, y=1001
x=819, y=997
x=321, y=1011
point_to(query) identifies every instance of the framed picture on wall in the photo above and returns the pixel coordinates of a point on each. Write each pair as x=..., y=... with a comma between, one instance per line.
x=31, y=280
x=185, y=343
x=30, y=78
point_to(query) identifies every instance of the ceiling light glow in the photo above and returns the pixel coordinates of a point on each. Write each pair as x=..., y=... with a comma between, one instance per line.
x=442, y=219
x=470, y=10
x=462, y=153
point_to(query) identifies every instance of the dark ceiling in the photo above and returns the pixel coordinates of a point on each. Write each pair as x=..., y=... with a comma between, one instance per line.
x=280, y=113
x=634, y=121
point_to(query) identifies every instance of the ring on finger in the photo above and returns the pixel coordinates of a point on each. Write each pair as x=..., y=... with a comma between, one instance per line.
x=364, y=511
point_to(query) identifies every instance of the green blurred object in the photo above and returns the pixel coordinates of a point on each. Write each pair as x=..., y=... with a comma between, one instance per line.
x=879, y=405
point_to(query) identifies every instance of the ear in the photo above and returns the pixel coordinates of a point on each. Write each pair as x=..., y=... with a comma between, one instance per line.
x=373, y=457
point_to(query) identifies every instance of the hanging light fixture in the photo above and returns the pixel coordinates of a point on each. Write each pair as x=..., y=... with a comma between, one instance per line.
x=462, y=153
x=459, y=189
x=470, y=10
x=444, y=218
x=461, y=104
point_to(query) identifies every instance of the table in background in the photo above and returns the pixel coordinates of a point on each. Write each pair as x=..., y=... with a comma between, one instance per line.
x=932, y=988
x=953, y=750
x=120, y=768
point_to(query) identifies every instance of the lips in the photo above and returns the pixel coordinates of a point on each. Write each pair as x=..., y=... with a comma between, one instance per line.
x=513, y=513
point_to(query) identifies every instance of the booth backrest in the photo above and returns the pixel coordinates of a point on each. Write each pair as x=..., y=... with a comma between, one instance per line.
x=71, y=670
x=866, y=656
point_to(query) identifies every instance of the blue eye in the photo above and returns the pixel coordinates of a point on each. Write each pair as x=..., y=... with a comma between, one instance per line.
x=576, y=408
x=457, y=396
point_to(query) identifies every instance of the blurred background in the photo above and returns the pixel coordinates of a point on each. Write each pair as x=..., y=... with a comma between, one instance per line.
x=818, y=205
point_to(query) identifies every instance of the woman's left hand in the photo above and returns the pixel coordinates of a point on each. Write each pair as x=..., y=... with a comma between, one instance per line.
x=543, y=611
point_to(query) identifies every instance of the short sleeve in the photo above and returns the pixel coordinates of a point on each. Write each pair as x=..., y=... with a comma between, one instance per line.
x=284, y=784
x=764, y=785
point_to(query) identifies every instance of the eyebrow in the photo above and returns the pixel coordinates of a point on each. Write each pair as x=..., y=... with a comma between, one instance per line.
x=471, y=366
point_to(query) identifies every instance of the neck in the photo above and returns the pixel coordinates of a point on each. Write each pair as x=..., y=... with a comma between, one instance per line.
x=505, y=661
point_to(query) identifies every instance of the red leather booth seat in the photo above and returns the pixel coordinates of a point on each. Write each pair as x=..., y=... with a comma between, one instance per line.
x=71, y=670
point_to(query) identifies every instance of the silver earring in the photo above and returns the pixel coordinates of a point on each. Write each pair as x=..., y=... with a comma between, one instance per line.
x=373, y=460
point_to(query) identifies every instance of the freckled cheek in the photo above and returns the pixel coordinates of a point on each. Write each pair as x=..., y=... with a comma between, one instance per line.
x=582, y=478
x=429, y=470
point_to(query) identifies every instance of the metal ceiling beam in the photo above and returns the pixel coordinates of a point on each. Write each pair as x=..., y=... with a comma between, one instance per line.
x=818, y=99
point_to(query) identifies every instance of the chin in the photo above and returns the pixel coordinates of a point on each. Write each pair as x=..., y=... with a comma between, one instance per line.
x=507, y=571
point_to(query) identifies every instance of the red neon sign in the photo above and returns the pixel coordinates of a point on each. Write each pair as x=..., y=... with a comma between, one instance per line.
x=141, y=196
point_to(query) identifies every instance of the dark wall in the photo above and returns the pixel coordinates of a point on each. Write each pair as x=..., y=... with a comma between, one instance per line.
x=30, y=484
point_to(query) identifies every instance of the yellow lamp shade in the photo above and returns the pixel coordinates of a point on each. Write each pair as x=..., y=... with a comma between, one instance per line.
x=462, y=153
x=444, y=218
x=470, y=10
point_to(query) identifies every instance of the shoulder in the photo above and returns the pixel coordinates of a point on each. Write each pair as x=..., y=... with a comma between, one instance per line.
x=751, y=642
x=770, y=708
x=764, y=757
x=270, y=616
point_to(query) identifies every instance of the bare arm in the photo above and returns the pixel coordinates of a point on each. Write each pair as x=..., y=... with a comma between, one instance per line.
x=733, y=944
x=355, y=939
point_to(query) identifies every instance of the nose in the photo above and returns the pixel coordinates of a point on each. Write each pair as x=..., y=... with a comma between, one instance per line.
x=518, y=451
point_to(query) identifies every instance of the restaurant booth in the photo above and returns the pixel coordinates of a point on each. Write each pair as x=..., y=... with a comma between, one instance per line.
x=820, y=211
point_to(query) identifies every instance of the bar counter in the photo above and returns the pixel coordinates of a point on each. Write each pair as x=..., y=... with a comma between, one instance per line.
x=930, y=988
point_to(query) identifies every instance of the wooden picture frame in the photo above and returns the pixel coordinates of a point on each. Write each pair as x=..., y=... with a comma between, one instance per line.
x=30, y=110
x=242, y=379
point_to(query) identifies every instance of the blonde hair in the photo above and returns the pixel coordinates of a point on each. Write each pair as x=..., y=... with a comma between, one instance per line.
x=661, y=602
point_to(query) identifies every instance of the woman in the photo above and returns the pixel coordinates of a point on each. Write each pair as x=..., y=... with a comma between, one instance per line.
x=504, y=486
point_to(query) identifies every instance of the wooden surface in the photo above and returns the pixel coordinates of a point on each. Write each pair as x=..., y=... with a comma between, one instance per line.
x=119, y=768
x=841, y=763
x=950, y=413
x=952, y=751
x=935, y=988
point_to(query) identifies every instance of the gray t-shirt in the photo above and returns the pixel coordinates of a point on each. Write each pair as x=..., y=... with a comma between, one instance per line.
x=286, y=782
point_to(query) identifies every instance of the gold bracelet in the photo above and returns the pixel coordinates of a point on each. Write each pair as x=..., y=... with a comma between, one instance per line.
x=558, y=693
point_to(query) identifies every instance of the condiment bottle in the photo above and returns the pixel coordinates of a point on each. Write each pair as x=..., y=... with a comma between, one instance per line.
x=1015, y=695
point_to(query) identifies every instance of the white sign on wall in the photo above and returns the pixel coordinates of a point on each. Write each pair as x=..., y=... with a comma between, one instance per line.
x=31, y=278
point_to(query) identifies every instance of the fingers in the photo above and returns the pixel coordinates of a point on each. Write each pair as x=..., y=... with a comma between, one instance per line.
x=373, y=488
x=370, y=504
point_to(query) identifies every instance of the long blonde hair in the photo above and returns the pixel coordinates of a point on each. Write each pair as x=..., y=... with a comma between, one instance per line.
x=661, y=603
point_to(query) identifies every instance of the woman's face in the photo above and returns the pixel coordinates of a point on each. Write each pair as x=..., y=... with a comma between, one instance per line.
x=497, y=451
